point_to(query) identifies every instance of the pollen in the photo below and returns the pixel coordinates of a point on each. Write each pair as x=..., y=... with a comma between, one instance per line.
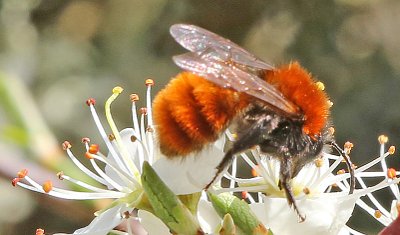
x=22, y=173
x=320, y=85
x=134, y=97
x=111, y=137
x=391, y=173
x=117, y=90
x=149, y=82
x=383, y=139
x=47, y=186
x=391, y=150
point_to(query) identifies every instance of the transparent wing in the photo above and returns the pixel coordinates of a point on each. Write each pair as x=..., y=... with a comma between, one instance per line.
x=196, y=39
x=228, y=75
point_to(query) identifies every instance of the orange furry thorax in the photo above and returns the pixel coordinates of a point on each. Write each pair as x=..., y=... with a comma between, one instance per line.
x=297, y=85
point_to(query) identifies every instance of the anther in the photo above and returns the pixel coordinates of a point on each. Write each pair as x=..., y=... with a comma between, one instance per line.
x=47, y=186
x=126, y=215
x=39, y=231
x=90, y=101
x=15, y=181
x=348, y=146
x=117, y=90
x=254, y=172
x=143, y=111
x=377, y=214
x=320, y=86
x=319, y=162
x=391, y=150
x=22, y=173
x=340, y=172
x=60, y=175
x=89, y=155
x=306, y=191
x=391, y=173
x=85, y=140
x=134, y=97
x=383, y=139
x=66, y=145
x=244, y=194
x=111, y=137
x=149, y=82
x=94, y=149
x=149, y=129
x=330, y=103
x=133, y=138
x=234, y=136
x=331, y=130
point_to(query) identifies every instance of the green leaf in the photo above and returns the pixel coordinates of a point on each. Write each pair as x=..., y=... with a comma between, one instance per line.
x=240, y=211
x=167, y=205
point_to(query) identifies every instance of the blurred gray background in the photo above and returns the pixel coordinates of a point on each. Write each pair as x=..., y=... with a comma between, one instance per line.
x=54, y=54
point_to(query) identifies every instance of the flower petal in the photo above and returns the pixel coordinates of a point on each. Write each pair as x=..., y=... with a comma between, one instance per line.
x=208, y=218
x=103, y=223
x=192, y=173
x=323, y=215
x=152, y=224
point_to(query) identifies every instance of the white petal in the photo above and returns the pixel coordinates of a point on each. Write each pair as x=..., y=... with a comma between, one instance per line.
x=323, y=215
x=191, y=173
x=103, y=223
x=208, y=218
x=152, y=224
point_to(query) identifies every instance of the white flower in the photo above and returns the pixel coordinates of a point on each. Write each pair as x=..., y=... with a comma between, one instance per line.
x=127, y=150
x=321, y=195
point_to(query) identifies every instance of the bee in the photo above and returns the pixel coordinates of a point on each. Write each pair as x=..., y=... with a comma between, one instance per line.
x=281, y=110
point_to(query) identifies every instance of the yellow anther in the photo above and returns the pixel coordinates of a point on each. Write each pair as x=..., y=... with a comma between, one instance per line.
x=383, y=139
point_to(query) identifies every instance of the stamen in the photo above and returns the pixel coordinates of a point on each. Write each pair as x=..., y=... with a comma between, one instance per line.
x=39, y=231
x=391, y=150
x=15, y=181
x=47, y=186
x=383, y=139
x=66, y=145
x=22, y=173
x=91, y=101
x=84, y=169
x=391, y=173
x=378, y=214
x=94, y=149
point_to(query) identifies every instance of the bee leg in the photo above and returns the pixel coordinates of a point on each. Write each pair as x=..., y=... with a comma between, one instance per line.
x=249, y=139
x=349, y=164
x=284, y=183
